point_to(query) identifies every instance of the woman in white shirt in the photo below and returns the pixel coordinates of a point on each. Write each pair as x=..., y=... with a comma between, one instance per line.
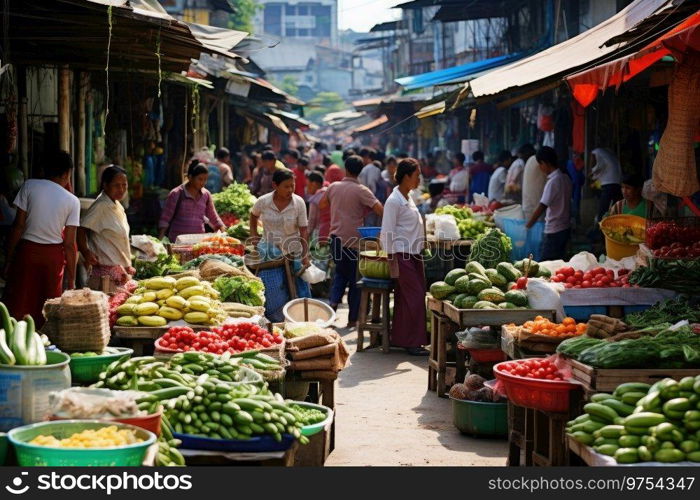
x=402, y=237
x=103, y=235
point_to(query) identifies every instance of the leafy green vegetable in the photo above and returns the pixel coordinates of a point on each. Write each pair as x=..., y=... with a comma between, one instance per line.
x=491, y=248
x=163, y=265
x=667, y=311
x=459, y=213
x=241, y=230
x=235, y=199
x=248, y=291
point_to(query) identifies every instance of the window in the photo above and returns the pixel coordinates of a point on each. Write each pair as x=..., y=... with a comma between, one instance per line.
x=302, y=32
x=303, y=10
x=272, y=19
x=323, y=21
x=290, y=10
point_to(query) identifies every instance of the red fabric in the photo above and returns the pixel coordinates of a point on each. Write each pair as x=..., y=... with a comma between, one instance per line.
x=578, y=129
x=299, y=182
x=334, y=174
x=408, y=328
x=36, y=275
x=679, y=41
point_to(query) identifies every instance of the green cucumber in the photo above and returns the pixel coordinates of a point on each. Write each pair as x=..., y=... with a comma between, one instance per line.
x=669, y=455
x=644, y=454
x=644, y=419
x=631, y=387
x=601, y=411
x=620, y=408
x=607, y=449
x=582, y=437
x=600, y=397
x=629, y=441
x=626, y=455
x=612, y=431
x=19, y=343
x=6, y=321
x=676, y=405
x=6, y=356
x=693, y=456
x=632, y=397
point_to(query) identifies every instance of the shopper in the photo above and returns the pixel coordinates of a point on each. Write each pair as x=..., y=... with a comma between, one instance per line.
x=223, y=163
x=319, y=219
x=103, y=235
x=349, y=203
x=291, y=158
x=556, y=203
x=41, y=247
x=370, y=174
x=333, y=172
x=283, y=216
x=534, y=180
x=189, y=206
x=497, y=183
x=262, y=181
x=458, y=180
x=402, y=237
x=632, y=202
x=390, y=171
x=608, y=172
x=514, y=179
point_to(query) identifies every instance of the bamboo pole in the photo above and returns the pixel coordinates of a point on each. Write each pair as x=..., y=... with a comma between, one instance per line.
x=22, y=120
x=80, y=175
x=64, y=109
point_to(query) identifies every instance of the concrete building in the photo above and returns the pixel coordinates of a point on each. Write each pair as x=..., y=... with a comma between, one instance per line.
x=314, y=21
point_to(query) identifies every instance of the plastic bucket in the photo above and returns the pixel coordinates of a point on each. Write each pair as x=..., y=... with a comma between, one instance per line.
x=87, y=369
x=24, y=398
x=525, y=241
x=615, y=249
x=480, y=419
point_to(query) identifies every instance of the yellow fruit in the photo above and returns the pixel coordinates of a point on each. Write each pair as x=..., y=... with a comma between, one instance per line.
x=146, y=309
x=170, y=313
x=160, y=282
x=134, y=299
x=140, y=290
x=152, y=320
x=127, y=321
x=200, y=298
x=186, y=282
x=149, y=297
x=126, y=309
x=190, y=291
x=199, y=305
x=177, y=302
x=196, y=317
x=161, y=302
x=164, y=293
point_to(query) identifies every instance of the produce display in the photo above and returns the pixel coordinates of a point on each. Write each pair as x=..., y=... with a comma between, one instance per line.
x=678, y=348
x=308, y=416
x=162, y=265
x=595, y=278
x=474, y=389
x=240, y=289
x=459, y=213
x=469, y=227
x=667, y=311
x=19, y=342
x=679, y=275
x=624, y=233
x=679, y=251
x=91, y=354
x=236, y=199
x=236, y=310
x=104, y=437
x=230, y=259
x=668, y=233
x=643, y=423
x=118, y=298
x=240, y=230
x=159, y=300
x=543, y=326
x=232, y=338
x=476, y=287
x=218, y=244
x=536, y=368
x=491, y=248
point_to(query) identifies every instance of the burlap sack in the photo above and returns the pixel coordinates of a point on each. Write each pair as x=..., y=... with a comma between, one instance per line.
x=314, y=340
x=78, y=321
x=211, y=269
x=315, y=352
x=674, y=170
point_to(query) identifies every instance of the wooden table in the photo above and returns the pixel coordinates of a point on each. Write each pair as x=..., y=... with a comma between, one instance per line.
x=515, y=350
x=272, y=458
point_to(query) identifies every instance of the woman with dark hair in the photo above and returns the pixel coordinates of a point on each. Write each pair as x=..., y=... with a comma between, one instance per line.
x=189, y=206
x=41, y=245
x=283, y=214
x=556, y=202
x=402, y=238
x=103, y=235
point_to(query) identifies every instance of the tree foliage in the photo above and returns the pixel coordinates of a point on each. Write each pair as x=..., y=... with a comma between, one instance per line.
x=322, y=104
x=242, y=19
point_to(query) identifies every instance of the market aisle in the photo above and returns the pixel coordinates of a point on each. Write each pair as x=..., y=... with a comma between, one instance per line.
x=387, y=417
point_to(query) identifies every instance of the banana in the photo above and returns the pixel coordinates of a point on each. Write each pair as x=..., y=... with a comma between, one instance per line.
x=160, y=282
x=152, y=320
x=170, y=313
x=199, y=305
x=196, y=317
x=134, y=299
x=186, y=282
x=146, y=309
x=200, y=298
x=177, y=302
x=126, y=309
x=148, y=297
x=164, y=293
x=127, y=321
x=190, y=291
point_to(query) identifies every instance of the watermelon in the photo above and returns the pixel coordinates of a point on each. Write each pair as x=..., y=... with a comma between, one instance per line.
x=507, y=305
x=475, y=267
x=462, y=284
x=441, y=290
x=468, y=302
x=496, y=278
x=453, y=275
x=485, y=304
x=492, y=295
x=517, y=297
x=475, y=286
x=544, y=273
x=508, y=271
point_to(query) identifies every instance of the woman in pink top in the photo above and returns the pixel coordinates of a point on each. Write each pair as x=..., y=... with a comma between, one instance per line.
x=189, y=206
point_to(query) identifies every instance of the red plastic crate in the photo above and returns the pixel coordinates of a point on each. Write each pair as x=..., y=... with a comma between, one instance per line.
x=544, y=395
x=487, y=355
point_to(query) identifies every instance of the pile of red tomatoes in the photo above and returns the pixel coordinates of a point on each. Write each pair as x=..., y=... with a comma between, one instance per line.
x=594, y=278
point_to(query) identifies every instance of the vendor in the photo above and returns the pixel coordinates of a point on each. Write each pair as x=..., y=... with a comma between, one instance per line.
x=403, y=238
x=283, y=215
x=189, y=206
x=103, y=235
x=632, y=202
x=555, y=204
x=41, y=245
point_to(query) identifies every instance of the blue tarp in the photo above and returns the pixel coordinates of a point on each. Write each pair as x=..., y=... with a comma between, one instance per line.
x=456, y=73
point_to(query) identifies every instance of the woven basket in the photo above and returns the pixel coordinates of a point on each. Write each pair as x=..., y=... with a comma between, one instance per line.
x=276, y=351
x=78, y=321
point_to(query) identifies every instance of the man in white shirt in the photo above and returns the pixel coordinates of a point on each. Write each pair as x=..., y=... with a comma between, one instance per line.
x=458, y=179
x=534, y=180
x=514, y=180
x=497, y=183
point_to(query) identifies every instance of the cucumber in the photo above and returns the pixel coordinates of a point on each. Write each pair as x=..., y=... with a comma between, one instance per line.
x=669, y=455
x=19, y=343
x=676, y=405
x=612, y=431
x=40, y=351
x=629, y=441
x=689, y=446
x=6, y=321
x=637, y=431
x=6, y=356
x=644, y=454
x=626, y=455
x=620, y=408
x=607, y=449
x=693, y=456
x=600, y=397
x=600, y=411
x=651, y=401
x=644, y=419
x=632, y=397
x=631, y=387
x=582, y=437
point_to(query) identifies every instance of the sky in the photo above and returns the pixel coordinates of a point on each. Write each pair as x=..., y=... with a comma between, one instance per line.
x=361, y=15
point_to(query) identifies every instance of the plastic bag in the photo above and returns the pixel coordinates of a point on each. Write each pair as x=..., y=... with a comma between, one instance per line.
x=313, y=275
x=583, y=261
x=89, y=403
x=509, y=212
x=446, y=227
x=478, y=338
x=544, y=295
x=481, y=200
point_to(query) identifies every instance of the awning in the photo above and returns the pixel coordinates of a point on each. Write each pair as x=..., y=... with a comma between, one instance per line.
x=451, y=75
x=267, y=120
x=567, y=56
x=431, y=110
x=371, y=125
x=586, y=84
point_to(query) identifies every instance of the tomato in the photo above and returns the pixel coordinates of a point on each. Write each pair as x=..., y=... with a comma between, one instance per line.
x=586, y=284
x=521, y=283
x=569, y=285
x=587, y=277
x=571, y=280
x=578, y=275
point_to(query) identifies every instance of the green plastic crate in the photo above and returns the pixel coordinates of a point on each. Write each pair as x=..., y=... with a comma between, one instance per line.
x=86, y=370
x=30, y=455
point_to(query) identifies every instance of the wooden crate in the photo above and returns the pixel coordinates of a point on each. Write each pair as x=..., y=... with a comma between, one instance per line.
x=434, y=304
x=492, y=317
x=606, y=380
x=513, y=348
